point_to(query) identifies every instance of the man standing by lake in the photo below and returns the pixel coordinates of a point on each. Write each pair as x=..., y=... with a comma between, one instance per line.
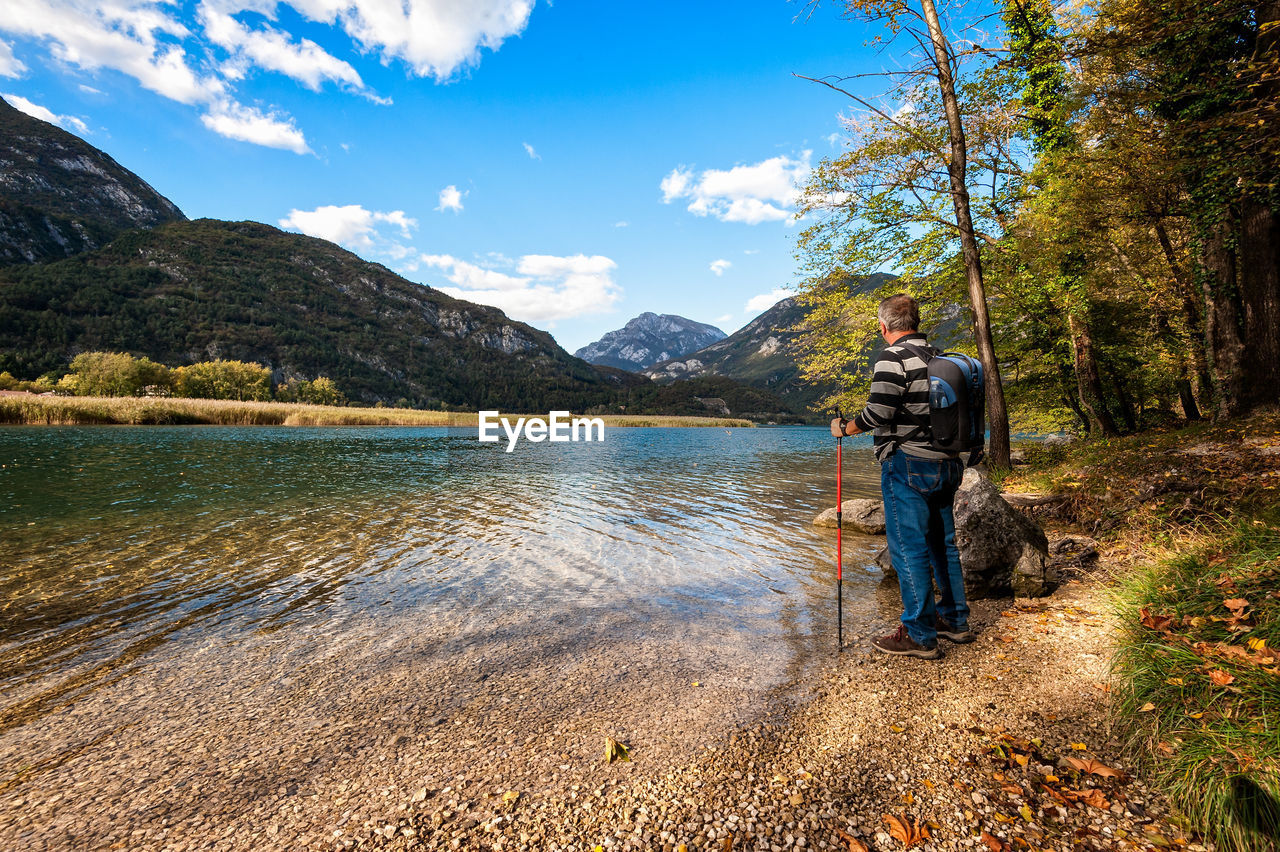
x=918, y=484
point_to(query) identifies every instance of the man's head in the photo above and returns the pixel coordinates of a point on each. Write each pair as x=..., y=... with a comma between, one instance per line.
x=899, y=315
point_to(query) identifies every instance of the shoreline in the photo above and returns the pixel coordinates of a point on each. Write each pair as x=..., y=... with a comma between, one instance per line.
x=308, y=750
x=34, y=410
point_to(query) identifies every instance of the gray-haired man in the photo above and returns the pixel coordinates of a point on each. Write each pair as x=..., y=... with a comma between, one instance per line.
x=919, y=486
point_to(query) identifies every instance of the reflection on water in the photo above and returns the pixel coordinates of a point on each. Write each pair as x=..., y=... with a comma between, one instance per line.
x=120, y=542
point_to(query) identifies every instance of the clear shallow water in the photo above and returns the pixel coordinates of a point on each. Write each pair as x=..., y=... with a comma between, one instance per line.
x=119, y=547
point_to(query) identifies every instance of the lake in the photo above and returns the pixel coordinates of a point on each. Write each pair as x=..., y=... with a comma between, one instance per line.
x=217, y=619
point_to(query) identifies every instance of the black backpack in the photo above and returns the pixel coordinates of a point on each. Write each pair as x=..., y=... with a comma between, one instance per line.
x=957, y=403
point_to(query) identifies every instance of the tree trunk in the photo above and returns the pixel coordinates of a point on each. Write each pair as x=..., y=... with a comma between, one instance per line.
x=1072, y=396
x=1088, y=380
x=957, y=164
x=1222, y=318
x=1127, y=410
x=1191, y=317
x=1259, y=282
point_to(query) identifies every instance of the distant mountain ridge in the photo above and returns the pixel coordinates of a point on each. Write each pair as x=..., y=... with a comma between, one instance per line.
x=649, y=339
x=190, y=291
x=59, y=195
x=760, y=354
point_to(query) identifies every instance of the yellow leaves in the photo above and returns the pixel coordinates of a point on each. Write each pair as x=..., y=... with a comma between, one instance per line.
x=1021, y=759
x=614, y=750
x=897, y=729
x=1025, y=813
x=510, y=797
x=1079, y=747
x=1174, y=681
x=1221, y=678
x=1093, y=767
x=1146, y=708
x=927, y=783
x=906, y=832
x=1257, y=644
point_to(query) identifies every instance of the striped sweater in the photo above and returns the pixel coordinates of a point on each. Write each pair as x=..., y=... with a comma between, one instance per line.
x=900, y=381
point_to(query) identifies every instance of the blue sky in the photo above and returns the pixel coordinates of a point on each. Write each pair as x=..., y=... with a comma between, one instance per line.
x=574, y=163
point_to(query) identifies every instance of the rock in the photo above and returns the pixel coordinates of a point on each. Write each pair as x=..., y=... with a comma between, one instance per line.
x=1002, y=552
x=859, y=515
x=1058, y=440
x=1017, y=457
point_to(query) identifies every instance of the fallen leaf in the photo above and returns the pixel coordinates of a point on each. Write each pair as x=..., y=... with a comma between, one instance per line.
x=1011, y=789
x=994, y=844
x=1025, y=813
x=1094, y=767
x=1079, y=747
x=897, y=729
x=1154, y=622
x=927, y=783
x=854, y=844
x=1235, y=604
x=726, y=845
x=1221, y=678
x=1146, y=708
x=510, y=797
x=906, y=832
x=1257, y=644
x=1022, y=759
x=1174, y=681
x=909, y=798
x=614, y=750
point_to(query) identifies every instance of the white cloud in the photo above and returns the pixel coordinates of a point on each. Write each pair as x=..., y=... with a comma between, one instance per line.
x=272, y=50
x=834, y=139
x=719, y=266
x=200, y=63
x=435, y=37
x=67, y=122
x=622, y=224
x=528, y=149
x=247, y=124
x=722, y=320
x=450, y=199
x=763, y=192
x=765, y=301
x=354, y=227
x=543, y=288
x=751, y=251
x=10, y=65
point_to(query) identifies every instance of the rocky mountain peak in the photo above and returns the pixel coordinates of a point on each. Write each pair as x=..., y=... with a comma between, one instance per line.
x=649, y=339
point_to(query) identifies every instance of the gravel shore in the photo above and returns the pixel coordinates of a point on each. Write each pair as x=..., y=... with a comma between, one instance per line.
x=974, y=749
x=362, y=746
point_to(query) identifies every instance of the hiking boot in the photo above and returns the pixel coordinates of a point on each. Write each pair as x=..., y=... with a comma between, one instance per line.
x=903, y=645
x=946, y=631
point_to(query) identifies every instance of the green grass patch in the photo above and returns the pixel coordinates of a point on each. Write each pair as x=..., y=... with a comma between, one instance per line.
x=1199, y=675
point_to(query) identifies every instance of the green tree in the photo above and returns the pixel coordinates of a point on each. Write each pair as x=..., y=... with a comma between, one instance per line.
x=221, y=379
x=911, y=171
x=113, y=374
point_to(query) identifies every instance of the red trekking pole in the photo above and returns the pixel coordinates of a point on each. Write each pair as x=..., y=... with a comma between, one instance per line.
x=839, y=542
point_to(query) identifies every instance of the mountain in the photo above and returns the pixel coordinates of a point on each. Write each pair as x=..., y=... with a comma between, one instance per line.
x=191, y=291
x=759, y=354
x=648, y=339
x=59, y=195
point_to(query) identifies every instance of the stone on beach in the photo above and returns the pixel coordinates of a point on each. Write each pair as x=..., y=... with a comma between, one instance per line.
x=858, y=515
x=1002, y=552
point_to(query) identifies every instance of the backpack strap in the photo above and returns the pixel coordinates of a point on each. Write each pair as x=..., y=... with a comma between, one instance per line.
x=926, y=354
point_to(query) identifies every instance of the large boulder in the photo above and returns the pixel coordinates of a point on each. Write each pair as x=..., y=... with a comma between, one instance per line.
x=860, y=515
x=1002, y=552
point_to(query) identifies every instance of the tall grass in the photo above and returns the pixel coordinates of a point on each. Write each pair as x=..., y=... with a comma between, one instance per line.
x=136, y=411
x=1198, y=702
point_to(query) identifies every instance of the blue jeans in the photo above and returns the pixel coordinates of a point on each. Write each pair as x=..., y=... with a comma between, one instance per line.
x=921, y=530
